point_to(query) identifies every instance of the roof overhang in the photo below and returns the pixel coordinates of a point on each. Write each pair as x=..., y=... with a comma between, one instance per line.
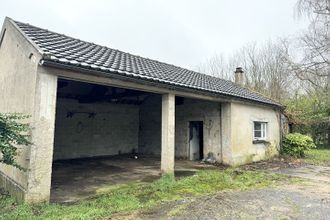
x=154, y=83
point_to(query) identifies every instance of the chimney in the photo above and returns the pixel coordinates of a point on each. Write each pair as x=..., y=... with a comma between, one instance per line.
x=239, y=76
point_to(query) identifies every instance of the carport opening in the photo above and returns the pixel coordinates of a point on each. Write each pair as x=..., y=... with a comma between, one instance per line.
x=107, y=135
x=103, y=135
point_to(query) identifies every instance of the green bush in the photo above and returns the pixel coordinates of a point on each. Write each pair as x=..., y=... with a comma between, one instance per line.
x=296, y=145
x=13, y=133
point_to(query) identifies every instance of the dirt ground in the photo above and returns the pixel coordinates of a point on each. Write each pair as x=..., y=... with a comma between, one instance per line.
x=73, y=180
x=307, y=200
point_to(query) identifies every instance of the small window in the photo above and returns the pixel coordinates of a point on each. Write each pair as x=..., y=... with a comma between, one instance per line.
x=260, y=130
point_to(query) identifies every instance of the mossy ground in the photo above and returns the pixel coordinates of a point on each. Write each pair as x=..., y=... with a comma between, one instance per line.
x=134, y=196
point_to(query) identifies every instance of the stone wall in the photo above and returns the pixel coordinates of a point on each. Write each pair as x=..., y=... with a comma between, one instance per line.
x=112, y=130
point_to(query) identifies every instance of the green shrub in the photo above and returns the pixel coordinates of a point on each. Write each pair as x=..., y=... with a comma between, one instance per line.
x=297, y=144
x=13, y=133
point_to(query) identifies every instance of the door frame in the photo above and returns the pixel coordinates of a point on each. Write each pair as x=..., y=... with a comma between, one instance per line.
x=188, y=135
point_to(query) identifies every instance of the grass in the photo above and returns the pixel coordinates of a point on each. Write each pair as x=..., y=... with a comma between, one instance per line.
x=177, y=210
x=318, y=157
x=134, y=196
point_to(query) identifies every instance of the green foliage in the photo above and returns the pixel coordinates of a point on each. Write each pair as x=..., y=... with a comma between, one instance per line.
x=134, y=196
x=310, y=108
x=13, y=133
x=297, y=145
x=318, y=157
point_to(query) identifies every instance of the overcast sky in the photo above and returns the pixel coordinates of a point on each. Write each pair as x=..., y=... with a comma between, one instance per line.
x=184, y=32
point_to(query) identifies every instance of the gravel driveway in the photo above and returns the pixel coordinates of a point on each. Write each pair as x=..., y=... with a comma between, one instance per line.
x=307, y=200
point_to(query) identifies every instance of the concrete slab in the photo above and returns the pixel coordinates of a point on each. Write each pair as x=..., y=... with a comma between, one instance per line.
x=77, y=179
x=316, y=173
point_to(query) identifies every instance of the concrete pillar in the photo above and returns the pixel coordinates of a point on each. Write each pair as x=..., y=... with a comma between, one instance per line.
x=168, y=133
x=226, y=134
x=41, y=153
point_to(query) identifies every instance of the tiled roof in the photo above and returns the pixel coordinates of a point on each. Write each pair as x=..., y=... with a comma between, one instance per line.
x=77, y=53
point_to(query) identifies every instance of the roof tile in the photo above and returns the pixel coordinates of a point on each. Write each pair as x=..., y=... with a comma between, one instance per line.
x=63, y=49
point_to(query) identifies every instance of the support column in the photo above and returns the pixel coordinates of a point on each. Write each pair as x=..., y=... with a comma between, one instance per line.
x=41, y=153
x=226, y=134
x=168, y=134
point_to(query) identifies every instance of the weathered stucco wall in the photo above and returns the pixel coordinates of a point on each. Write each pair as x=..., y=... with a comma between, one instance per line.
x=191, y=110
x=242, y=149
x=113, y=130
x=41, y=151
x=209, y=114
x=18, y=75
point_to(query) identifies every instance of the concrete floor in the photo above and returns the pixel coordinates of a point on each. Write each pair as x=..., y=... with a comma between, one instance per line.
x=73, y=180
x=316, y=173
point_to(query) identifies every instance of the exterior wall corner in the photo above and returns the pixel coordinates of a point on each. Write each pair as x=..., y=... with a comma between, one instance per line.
x=41, y=153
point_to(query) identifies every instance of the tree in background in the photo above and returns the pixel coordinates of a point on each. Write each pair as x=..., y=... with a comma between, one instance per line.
x=295, y=72
x=265, y=71
x=13, y=133
x=216, y=66
x=309, y=61
x=309, y=54
x=312, y=63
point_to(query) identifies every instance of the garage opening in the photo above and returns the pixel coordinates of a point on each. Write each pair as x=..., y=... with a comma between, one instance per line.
x=108, y=135
x=103, y=135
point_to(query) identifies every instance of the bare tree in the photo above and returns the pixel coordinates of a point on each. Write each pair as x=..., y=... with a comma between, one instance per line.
x=265, y=71
x=312, y=63
x=215, y=66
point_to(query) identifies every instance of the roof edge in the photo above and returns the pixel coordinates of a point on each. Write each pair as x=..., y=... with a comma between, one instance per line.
x=45, y=56
x=54, y=64
x=12, y=22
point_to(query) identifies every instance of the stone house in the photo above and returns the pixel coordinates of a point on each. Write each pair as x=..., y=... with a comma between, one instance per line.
x=87, y=100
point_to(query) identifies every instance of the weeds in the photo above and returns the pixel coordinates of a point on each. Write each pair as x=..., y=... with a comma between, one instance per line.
x=134, y=196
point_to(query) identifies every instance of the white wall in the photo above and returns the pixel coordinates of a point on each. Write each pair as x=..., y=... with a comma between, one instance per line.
x=18, y=75
x=242, y=149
